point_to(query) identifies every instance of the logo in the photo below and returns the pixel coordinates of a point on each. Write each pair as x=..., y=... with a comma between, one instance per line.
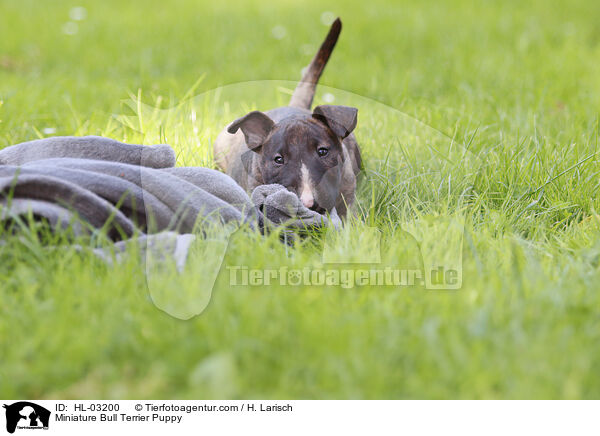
x=26, y=415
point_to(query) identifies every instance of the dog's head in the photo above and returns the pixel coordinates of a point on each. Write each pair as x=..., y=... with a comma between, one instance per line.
x=304, y=153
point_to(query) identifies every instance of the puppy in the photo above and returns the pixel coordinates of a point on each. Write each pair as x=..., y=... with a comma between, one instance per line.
x=313, y=154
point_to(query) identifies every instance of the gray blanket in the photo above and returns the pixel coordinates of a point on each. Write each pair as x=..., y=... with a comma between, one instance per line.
x=88, y=183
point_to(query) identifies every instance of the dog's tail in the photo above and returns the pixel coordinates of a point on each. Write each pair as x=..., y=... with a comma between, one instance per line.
x=305, y=91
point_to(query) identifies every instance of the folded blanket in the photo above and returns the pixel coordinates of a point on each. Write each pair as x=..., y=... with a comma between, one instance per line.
x=134, y=190
x=89, y=147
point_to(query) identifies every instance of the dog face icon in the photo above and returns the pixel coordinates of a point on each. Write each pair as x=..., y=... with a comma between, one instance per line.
x=28, y=417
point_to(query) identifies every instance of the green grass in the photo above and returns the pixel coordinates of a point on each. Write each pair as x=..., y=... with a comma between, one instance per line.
x=519, y=85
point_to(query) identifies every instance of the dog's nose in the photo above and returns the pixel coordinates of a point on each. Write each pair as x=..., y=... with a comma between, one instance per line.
x=307, y=199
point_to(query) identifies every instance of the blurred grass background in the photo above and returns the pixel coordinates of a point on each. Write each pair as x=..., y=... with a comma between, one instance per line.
x=518, y=82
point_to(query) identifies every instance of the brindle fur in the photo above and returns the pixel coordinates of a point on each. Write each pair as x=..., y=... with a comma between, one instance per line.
x=295, y=134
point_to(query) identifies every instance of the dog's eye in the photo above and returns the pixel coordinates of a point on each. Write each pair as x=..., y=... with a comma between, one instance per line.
x=278, y=160
x=322, y=151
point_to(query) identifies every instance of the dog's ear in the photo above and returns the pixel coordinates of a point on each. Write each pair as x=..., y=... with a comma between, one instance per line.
x=340, y=119
x=256, y=127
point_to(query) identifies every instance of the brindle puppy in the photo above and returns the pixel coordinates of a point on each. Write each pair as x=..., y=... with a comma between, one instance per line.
x=313, y=154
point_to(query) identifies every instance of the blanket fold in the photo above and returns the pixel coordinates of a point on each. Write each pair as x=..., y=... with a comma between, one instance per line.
x=88, y=147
